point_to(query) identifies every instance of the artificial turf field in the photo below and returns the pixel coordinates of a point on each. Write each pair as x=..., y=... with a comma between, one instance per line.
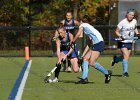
x=119, y=88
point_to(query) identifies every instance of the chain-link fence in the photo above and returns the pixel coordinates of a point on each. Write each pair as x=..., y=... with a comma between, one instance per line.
x=39, y=39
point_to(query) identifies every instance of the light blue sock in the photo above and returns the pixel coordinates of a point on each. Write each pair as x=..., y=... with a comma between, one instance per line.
x=85, y=69
x=100, y=68
x=125, y=65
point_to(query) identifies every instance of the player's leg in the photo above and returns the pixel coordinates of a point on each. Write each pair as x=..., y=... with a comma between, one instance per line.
x=126, y=54
x=98, y=66
x=69, y=65
x=117, y=58
x=57, y=71
x=74, y=62
x=96, y=49
x=64, y=65
x=85, y=66
x=74, y=59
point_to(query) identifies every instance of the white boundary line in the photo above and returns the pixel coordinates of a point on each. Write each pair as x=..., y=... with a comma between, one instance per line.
x=23, y=82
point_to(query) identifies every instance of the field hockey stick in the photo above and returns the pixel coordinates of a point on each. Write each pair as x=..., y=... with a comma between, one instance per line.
x=51, y=72
x=134, y=39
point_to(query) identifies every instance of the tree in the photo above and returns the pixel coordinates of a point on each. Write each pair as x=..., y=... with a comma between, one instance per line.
x=13, y=12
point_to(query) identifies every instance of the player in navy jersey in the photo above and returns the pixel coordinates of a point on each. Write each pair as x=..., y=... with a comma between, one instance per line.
x=126, y=30
x=65, y=50
x=69, y=23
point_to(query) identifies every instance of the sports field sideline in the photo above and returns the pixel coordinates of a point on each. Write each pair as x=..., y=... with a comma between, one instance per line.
x=119, y=88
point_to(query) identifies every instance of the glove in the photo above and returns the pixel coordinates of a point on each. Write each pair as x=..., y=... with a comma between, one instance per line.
x=58, y=65
x=122, y=38
x=72, y=44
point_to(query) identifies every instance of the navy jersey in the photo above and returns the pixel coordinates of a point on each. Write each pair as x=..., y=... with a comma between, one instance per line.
x=69, y=27
x=65, y=45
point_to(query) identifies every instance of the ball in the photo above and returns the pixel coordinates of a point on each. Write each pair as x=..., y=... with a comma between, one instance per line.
x=49, y=81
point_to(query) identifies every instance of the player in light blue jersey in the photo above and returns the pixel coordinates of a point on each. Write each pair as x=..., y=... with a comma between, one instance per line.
x=93, y=53
x=126, y=30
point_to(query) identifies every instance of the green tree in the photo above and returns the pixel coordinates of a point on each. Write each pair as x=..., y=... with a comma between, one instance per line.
x=13, y=12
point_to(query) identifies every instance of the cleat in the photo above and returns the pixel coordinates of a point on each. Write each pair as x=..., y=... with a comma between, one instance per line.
x=112, y=63
x=82, y=81
x=55, y=80
x=80, y=69
x=125, y=74
x=110, y=72
x=113, y=60
x=107, y=78
x=49, y=81
x=69, y=69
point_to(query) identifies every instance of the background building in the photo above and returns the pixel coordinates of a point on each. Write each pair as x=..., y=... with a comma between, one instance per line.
x=117, y=10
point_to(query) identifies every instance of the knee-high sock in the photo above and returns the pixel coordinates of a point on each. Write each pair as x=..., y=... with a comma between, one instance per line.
x=125, y=65
x=57, y=71
x=85, y=69
x=69, y=63
x=118, y=58
x=64, y=64
x=100, y=68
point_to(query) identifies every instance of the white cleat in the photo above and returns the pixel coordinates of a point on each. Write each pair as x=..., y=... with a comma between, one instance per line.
x=69, y=69
x=55, y=80
x=49, y=81
x=80, y=69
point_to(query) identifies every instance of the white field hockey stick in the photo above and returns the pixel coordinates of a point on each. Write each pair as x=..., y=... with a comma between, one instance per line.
x=51, y=72
x=132, y=40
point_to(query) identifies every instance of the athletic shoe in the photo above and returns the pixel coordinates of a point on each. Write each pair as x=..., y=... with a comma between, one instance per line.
x=82, y=81
x=69, y=69
x=107, y=78
x=125, y=74
x=80, y=69
x=113, y=60
x=55, y=80
x=110, y=72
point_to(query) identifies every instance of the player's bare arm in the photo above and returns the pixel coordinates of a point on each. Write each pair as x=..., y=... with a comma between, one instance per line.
x=80, y=31
x=118, y=32
x=76, y=22
x=58, y=49
x=85, y=51
x=136, y=31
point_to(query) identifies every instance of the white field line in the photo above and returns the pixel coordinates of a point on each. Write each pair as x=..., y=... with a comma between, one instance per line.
x=23, y=82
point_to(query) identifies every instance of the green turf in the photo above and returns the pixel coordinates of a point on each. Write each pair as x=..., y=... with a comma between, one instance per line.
x=9, y=71
x=119, y=88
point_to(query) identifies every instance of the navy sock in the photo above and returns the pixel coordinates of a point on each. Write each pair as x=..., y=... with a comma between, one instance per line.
x=118, y=58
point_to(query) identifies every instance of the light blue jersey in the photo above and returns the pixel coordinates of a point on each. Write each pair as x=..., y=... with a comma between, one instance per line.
x=127, y=29
x=92, y=33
